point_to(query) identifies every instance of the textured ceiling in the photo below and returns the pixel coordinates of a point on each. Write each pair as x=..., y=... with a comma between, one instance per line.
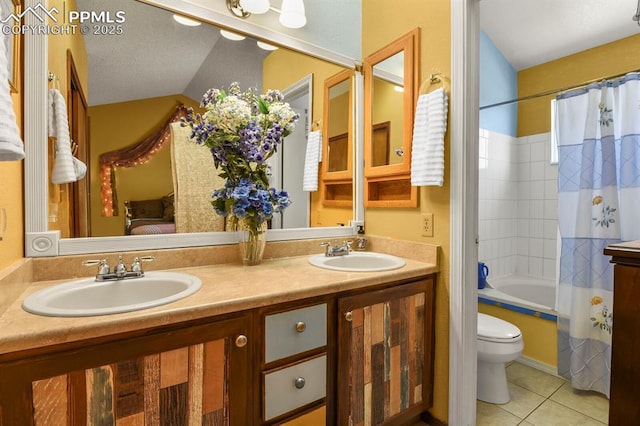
x=156, y=56
x=531, y=32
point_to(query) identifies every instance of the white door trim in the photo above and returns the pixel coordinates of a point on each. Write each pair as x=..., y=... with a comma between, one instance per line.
x=463, y=303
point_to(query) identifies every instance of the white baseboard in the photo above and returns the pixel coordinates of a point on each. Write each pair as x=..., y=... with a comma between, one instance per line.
x=530, y=362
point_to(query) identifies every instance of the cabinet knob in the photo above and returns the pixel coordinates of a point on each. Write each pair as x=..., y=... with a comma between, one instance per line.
x=299, y=383
x=241, y=341
x=348, y=316
x=301, y=326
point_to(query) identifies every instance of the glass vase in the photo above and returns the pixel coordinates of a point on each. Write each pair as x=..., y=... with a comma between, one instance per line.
x=252, y=239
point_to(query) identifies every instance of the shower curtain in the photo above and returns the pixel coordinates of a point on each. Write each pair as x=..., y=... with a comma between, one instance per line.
x=598, y=131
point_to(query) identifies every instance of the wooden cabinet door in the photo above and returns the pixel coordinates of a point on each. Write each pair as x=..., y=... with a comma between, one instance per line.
x=385, y=355
x=197, y=375
x=625, y=369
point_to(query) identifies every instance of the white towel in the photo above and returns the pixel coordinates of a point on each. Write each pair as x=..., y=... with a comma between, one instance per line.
x=11, y=147
x=66, y=168
x=312, y=158
x=429, y=127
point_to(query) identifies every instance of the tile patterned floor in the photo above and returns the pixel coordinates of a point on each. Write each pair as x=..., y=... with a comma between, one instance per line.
x=540, y=399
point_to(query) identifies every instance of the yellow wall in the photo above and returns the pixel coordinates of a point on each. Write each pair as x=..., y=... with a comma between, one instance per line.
x=119, y=125
x=382, y=22
x=540, y=336
x=11, y=200
x=339, y=112
x=385, y=108
x=277, y=73
x=59, y=45
x=614, y=58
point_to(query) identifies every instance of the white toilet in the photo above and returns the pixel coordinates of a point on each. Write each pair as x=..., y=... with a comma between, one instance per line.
x=499, y=342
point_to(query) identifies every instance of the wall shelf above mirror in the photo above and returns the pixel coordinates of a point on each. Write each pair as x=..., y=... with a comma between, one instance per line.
x=391, y=77
x=106, y=234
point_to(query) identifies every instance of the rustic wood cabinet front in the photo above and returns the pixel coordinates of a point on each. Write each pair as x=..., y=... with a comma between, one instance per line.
x=385, y=354
x=196, y=375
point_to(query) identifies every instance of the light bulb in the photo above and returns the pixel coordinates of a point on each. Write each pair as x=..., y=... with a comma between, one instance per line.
x=292, y=14
x=231, y=36
x=255, y=6
x=266, y=46
x=185, y=21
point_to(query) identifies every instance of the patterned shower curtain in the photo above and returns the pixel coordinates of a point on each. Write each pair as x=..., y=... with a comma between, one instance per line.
x=598, y=131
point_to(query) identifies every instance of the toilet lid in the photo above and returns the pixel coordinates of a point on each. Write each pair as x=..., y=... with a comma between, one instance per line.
x=495, y=329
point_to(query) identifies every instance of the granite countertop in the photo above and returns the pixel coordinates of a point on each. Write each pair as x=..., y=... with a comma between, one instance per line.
x=226, y=288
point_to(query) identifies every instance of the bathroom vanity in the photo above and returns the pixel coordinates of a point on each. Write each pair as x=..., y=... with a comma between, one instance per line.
x=625, y=370
x=281, y=343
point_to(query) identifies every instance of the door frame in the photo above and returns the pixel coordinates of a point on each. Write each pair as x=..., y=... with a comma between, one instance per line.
x=463, y=293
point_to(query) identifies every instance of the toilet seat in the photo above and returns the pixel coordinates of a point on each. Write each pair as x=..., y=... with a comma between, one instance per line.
x=494, y=329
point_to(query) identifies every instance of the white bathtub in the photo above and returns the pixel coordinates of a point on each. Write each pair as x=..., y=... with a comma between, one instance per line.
x=531, y=295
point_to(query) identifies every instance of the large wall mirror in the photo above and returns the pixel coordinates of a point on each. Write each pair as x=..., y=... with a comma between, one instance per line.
x=126, y=104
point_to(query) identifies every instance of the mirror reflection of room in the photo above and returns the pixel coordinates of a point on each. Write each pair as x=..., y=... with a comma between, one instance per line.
x=141, y=168
x=388, y=91
x=338, y=120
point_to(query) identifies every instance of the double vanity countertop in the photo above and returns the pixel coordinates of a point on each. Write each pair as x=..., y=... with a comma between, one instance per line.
x=226, y=288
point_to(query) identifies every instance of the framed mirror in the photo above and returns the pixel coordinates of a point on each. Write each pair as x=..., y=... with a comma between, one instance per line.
x=337, y=145
x=43, y=240
x=391, y=86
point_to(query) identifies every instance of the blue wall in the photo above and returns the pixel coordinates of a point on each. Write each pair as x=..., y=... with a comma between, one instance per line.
x=498, y=82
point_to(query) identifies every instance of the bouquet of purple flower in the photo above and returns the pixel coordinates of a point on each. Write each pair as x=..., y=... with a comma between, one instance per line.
x=242, y=130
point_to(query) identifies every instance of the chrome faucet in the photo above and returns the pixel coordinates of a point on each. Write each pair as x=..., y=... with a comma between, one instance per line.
x=335, y=249
x=120, y=270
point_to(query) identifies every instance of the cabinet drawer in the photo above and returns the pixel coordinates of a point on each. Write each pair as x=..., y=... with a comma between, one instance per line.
x=292, y=332
x=295, y=386
x=317, y=417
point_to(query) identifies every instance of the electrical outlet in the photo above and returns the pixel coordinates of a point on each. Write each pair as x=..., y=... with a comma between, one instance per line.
x=426, y=226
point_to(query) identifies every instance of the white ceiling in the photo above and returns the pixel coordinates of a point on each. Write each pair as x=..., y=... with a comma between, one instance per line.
x=532, y=32
x=156, y=56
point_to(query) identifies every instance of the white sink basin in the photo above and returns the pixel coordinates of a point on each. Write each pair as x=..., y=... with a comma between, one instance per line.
x=88, y=297
x=358, y=262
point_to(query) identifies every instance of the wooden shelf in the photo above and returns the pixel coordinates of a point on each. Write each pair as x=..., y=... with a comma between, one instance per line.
x=338, y=194
x=393, y=191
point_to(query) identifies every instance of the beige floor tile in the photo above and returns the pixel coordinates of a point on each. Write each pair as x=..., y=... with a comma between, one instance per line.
x=523, y=401
x=525, y=423
x=493, y=415
x=592, y=404
x=534, y=380
x=551, y=413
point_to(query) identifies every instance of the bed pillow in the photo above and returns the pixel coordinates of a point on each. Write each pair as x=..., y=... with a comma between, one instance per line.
x=169, y=210
x=146, y=208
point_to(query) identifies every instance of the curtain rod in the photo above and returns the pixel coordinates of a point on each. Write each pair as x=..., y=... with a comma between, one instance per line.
x=553, y=92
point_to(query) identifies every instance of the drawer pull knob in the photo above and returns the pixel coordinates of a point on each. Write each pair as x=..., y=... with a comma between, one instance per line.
x=241, y=341
x=348, y=316
x=301, y=326
x=299, y=382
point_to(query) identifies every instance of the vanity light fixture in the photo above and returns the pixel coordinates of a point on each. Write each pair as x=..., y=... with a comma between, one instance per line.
x=185, y=21
x=231, y=36
x=255, y=6
x=266, y=46
x=292, y=14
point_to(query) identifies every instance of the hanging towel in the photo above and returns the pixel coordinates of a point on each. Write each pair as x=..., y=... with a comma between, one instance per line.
x=429, y=127
x=11, y=147
x=66, y=168
x=312, y=158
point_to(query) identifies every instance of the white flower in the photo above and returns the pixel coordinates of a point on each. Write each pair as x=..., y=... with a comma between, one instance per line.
x=229, y=115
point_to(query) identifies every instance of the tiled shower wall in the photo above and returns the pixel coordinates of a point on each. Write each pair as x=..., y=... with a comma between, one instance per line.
x=517, y=205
